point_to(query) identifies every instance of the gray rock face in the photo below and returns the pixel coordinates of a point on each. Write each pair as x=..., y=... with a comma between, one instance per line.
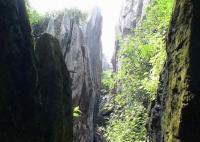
x=94, y=46
x=55, y=91
x=175, y=114
x=132, y=12
x=26, y=114
x=93, y=42
x=82, y=54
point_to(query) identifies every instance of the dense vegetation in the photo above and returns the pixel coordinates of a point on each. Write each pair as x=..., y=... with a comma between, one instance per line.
x=36, y=17
x=141, y=58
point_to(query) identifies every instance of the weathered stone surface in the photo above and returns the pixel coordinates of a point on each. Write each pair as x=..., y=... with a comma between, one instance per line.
x=175, y=115
x=23, y=115
x=94, y=46
x=55, y=91
x=131, y=14
x=82, y=54
x=73, y=48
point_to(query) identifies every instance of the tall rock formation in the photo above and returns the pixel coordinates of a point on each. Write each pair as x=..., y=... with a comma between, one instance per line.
x=82, y=53
x=93, y=42
x=55, y=91
x=132, y=12
x=17, y=75
x=175, y=114
x=94, y=46
x=22, y=106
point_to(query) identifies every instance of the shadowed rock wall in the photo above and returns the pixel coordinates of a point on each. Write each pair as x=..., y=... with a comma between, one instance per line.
x=18, y=99
x=175, y=114
x=25, y=115
x=55, y=91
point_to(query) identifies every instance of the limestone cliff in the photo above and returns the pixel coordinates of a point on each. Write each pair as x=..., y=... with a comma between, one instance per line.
x=175, y=114
x=82, y=53
x=94, y=46
x=26, y=114
x=132, y=12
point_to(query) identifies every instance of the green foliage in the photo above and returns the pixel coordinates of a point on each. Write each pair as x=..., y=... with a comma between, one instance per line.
x=76, y=112
x=127, y=121
x=34, y=16
x=107, y=80
x=141, y=58
x=73, y=13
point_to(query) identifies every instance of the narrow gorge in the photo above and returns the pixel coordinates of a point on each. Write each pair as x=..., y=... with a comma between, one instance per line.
x=57, y=83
